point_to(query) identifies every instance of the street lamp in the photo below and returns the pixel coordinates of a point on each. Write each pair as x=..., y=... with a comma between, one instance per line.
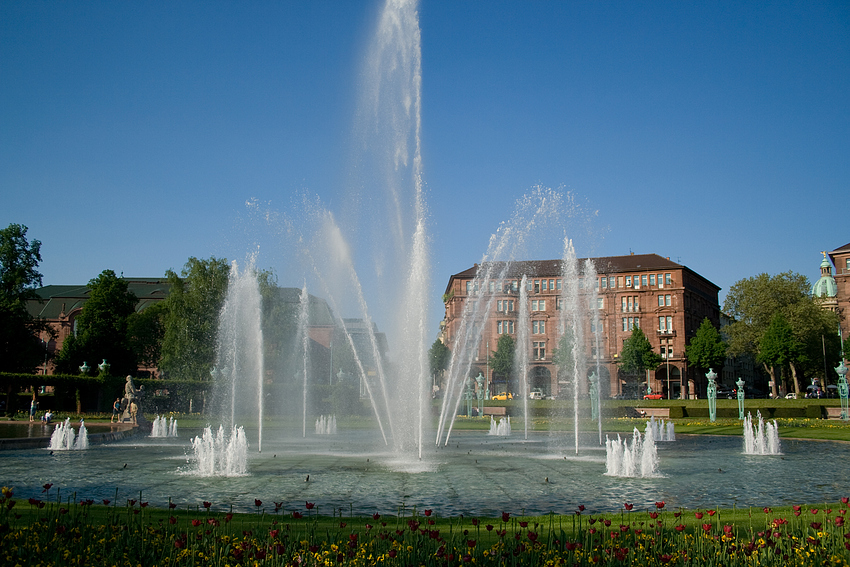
x=712, y=394
x=842, y=388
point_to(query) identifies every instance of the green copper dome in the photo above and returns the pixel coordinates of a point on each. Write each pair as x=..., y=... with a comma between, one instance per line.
x=825, y=286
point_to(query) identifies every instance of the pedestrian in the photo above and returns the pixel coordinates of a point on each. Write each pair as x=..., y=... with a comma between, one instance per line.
x=33, y=408
x=116, y=409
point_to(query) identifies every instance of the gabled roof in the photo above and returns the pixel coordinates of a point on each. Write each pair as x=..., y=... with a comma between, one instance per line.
x=56, y=300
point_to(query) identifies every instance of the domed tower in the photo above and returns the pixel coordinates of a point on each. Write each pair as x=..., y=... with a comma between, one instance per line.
x=826, y=288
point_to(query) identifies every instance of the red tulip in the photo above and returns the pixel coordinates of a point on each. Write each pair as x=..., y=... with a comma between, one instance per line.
x=712, y=512
x=505, y=516
x=207, y=504
x=653, y=515
x=679, y=528
x=659, y=505
x=628, y=506
x=171, y=505
x=427, y=512
x=257, y=502
x=310, y=505
x=581, y=508
x=297, y=515
x=106, y=502
x=376, y=516
x=698, y=515
x=706, y=527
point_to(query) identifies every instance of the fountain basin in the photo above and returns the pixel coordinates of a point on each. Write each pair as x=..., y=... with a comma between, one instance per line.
x=476, y=475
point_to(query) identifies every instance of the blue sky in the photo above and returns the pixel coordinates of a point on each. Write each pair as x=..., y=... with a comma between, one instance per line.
x=718, y=134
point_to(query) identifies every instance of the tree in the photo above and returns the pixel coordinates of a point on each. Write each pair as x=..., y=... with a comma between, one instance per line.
x=778, y=346
x=101, y=328
x=707, y=349
x=753, y=303
x=145, y=331
x=20, y=348
x=637, y=356
x=502, y=359
x=562, y=355
x=191, y=319
x=439, y=356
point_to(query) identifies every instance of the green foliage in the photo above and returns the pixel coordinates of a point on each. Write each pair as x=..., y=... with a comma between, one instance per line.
x=562, y=355
x=439, y=356
x=502, y=359
x=102, y=328
x=706, y=349
x=145, y=331
x=191, y=318
x=754, y=302
x=20, y=348
x=637, y=355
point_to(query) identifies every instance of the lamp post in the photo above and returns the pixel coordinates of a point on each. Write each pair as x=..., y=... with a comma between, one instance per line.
x=594, y=395
x=84, y=369
x=740, y=384
x=712, y=394
x=842, y=389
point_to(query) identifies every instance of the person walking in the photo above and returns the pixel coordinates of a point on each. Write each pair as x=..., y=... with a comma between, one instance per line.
x=33, y=408
x=116, y=410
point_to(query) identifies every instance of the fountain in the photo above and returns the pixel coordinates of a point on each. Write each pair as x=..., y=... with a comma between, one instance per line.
x=762, y=439
x=164, y=428
x=64, y=437
x=326, y=425
x=238, y=391
x=217, y=455
x=502, y=428
x=635, y=458
x=661, y=430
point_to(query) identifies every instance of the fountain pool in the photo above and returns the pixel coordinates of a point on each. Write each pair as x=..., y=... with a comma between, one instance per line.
x=476, y=474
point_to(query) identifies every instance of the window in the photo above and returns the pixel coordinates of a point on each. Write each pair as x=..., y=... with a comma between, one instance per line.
x=604, y=282
x=643, y=280
x=514, y=285
x=668, y=279
x=559, y=304
x=538, y=305
x=629, y=322
x=505, y=327
x=631, y=304
x=667, y=300
x=538, y=327
x=510, y=303
x=552, y=285
x=663, y=353
x=619, y=281
x=660, y=281
x=530, y=285
x=660, y=301
x=623, y=304
x=539, y=350
x=543, y=285
x=628, y=281
x=670, y=324
x=499, y=305
x=537, y=286
x=492, y=286
x=651, y=279
x=847, y=264
x=625, y=324
x=468, y=288
x=662, y=323
x=559, y=285
x=600, y=303
x=594, y=353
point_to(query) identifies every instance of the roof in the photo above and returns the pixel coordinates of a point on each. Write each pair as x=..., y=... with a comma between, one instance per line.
x=56, y=300
x=604, y=265
x=320, y=313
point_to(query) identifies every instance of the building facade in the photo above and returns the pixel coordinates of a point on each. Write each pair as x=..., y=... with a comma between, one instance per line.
x=840, y=258
x=666, y=300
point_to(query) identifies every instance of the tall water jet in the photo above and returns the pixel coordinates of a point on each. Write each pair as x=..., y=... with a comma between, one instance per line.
x=589, y=276
x=303, y=340
x=240, y=369
x=326, y=425
x=761, y=439
x=572, y=326
x=661, y=430
x=532, y=214
x=523, y=346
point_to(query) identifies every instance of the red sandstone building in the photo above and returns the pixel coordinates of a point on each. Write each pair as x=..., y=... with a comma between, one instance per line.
x=666, y=300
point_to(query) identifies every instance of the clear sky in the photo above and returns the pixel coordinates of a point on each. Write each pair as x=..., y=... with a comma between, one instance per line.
x=132, y=134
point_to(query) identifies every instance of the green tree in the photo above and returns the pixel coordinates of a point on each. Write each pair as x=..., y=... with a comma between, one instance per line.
x=502, y=359
x=753, y=303
x=562, y=355
x=707, y=349
x=145, y=331
x=778, y=346
x=101, y=328
x=637, y=356
x=20, y=348
x=439, y=357
x=191, y=318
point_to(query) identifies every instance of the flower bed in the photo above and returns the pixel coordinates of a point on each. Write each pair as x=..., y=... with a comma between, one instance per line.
x=59, y=531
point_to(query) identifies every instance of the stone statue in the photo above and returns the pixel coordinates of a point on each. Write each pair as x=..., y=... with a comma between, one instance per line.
x=131, y=403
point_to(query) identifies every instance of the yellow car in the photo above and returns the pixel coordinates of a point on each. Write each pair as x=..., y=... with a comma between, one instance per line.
x=502, y=396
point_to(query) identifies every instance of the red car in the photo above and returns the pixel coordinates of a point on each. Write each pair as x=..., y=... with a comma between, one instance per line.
x=654, y=397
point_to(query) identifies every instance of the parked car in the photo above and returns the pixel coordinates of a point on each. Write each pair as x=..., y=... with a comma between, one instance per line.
x=724, y=392
x=791, y=396
x=537, y=394
x=503, y=396
x=653, y=397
